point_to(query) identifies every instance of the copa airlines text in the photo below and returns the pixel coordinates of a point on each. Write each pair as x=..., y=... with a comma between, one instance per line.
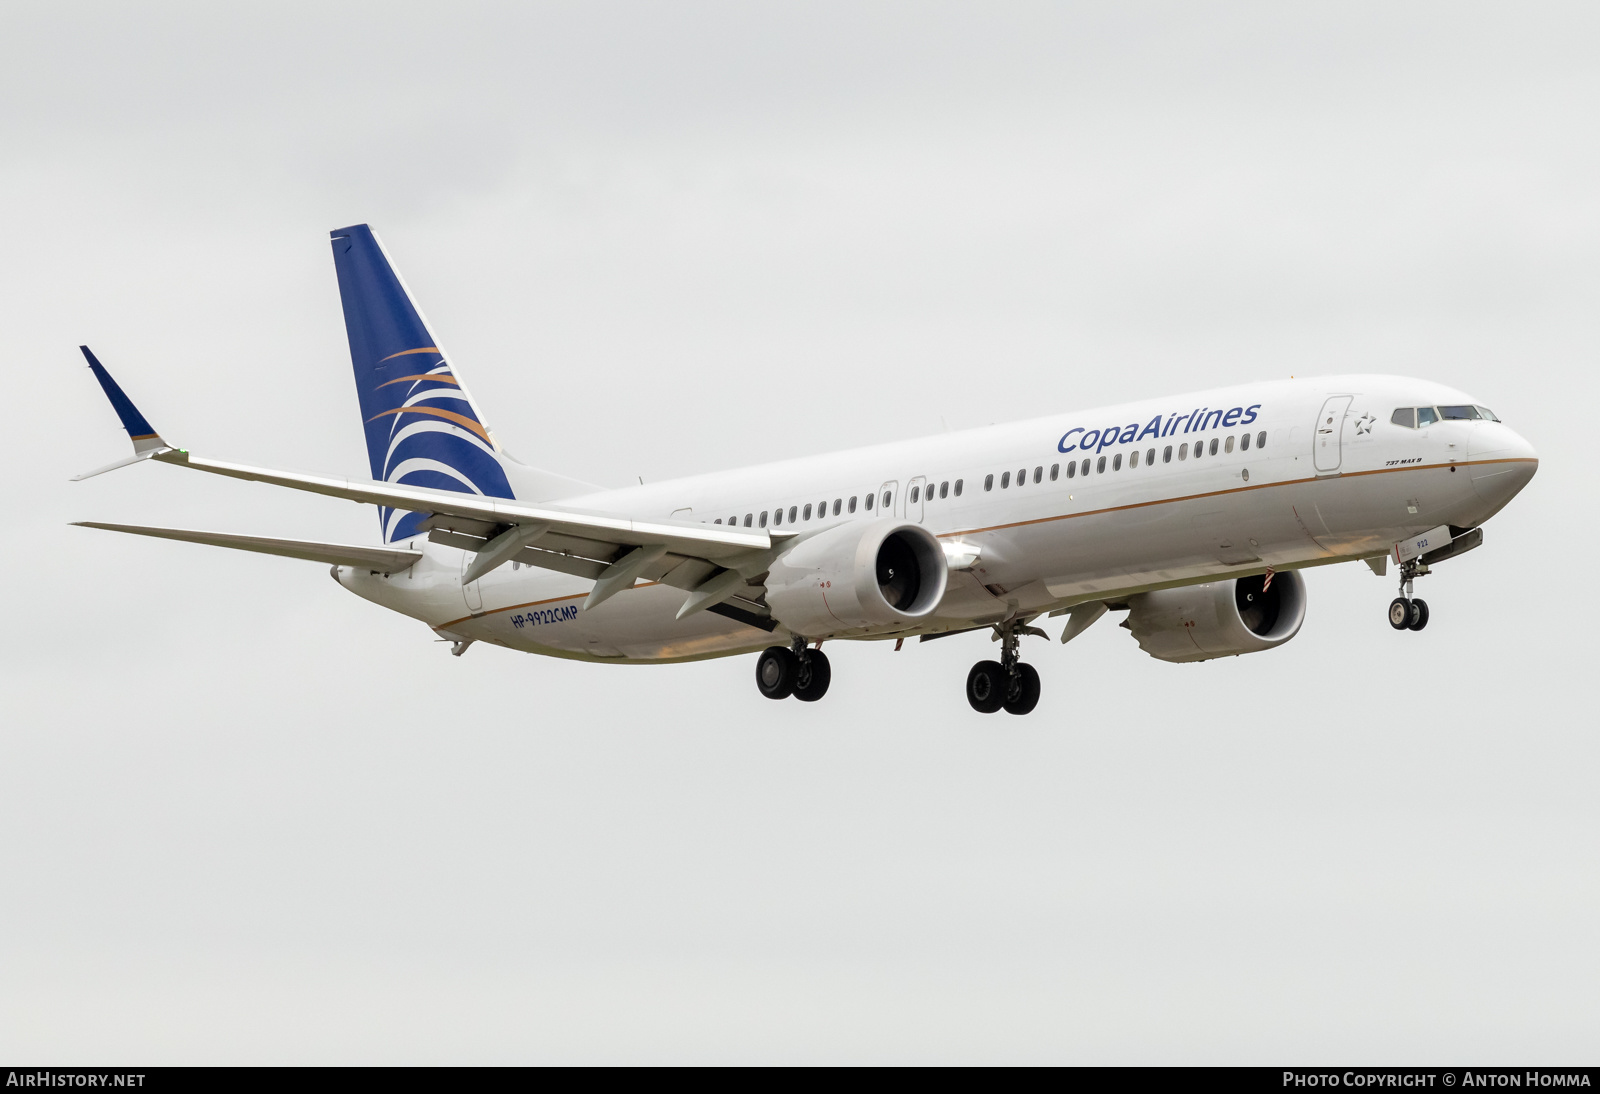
x=1195, y=515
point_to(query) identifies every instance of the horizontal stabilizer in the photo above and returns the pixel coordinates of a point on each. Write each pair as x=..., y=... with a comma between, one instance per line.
x=389, y=560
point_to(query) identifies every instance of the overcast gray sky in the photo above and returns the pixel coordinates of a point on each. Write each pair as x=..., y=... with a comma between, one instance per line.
x=246, y=817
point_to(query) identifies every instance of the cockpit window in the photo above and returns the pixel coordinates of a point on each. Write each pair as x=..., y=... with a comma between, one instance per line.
x=1415, y=417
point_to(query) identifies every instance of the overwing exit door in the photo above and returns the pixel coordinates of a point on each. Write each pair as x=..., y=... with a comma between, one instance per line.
x=914, y=492
x=1327, y=438
x=888, y=499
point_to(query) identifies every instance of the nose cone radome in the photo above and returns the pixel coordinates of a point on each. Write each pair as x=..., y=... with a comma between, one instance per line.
x=1502, y=463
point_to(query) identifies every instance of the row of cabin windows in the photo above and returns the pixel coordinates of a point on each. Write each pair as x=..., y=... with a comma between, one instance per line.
x=1076, y=468
x=797, y=513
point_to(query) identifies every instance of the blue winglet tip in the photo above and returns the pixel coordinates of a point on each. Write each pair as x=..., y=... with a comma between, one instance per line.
x=139, y=429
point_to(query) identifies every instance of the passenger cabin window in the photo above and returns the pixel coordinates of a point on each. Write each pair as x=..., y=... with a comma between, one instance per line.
x=1133, y=459
x=1100, y=466
x=807, y=513
x=914, y=492
x=1072, y=469
x=1116, y=462
x=944, y=490
x=1228, y=446
x=792, y=512
x=777, y=517
x=1022, y=477
x=1055, y=472
x=1212, y=451
x=1166, y=454
x=717, y=521
x=988, y=482
x=887, y=498
x=1149, y=457
x=1183, y=451
x=852, y=503
x=1038, y=474
x=1005, y=480
x=1244, y=443
x=958, y=486
x=839, y=501
x=747, y=521
x=1085, y=467
x=763, y=518
x=868, y=502
x=1261, y=439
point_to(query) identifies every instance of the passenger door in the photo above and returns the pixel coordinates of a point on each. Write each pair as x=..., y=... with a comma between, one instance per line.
x=1327, y=437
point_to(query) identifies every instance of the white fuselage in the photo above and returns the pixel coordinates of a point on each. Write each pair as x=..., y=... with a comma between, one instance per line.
x=1045, y=535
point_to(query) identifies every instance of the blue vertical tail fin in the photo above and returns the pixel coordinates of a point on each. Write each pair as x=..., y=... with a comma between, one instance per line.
x=422, y=427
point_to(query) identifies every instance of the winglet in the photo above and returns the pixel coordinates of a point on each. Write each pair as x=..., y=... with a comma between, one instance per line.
x=146, y=441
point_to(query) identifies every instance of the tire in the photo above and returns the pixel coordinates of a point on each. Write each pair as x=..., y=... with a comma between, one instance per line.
x=1419, y=615
x=812, y=676
x=776, y=670
x=1023, y=694
x=1400, y=613
x=986, y=687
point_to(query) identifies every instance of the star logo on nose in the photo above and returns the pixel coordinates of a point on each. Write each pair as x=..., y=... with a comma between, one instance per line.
x=1364, y=424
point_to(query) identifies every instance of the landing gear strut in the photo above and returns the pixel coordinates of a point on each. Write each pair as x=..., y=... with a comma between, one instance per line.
x=1407, y=613
x=782, y=671
x=1007, y=683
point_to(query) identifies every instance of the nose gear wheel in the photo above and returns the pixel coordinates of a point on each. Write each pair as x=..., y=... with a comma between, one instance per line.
x=1406, y=613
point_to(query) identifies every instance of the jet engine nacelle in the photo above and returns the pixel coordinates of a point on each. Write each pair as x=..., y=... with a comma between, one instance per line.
x=1219, y=618
x=855, y=577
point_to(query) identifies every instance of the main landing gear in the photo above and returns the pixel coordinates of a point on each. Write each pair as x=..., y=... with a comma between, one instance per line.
x=782, y=671
x=1405, y=612
x=1008, y=683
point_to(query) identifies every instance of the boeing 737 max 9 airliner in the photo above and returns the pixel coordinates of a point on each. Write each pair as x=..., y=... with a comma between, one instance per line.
x=1194, y=514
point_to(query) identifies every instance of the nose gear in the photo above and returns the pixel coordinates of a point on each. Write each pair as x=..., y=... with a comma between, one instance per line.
x=1407, y=613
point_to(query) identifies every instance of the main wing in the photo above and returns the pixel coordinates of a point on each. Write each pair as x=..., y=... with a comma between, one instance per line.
x=712, y=563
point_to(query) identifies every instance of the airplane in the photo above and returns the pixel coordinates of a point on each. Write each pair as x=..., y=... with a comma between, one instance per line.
x=1198, y=514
